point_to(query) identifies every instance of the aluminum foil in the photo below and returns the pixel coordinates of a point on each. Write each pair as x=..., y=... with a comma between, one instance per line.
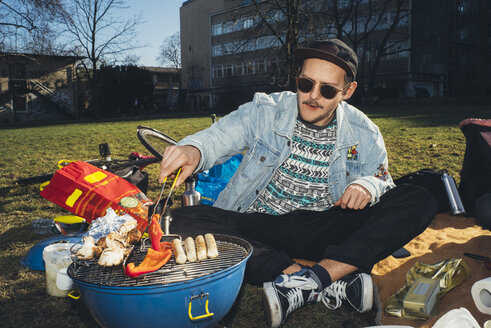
x=106, y=224
x=451, y=273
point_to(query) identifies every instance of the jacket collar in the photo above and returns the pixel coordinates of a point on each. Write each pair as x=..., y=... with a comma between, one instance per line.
x=285, y=124
x=344, y=134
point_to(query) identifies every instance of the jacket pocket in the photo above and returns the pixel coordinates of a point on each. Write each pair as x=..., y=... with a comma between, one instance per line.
x=259, y=158
x=353, y=170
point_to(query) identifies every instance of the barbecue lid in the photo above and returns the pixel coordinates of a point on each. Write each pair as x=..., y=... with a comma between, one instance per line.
x=231, y=251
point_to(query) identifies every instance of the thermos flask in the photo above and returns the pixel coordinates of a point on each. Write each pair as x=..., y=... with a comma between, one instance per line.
x=190, y=196
x=456, y=207
x=165, y=221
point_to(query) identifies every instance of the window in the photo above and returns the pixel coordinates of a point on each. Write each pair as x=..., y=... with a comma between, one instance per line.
x=69, y=75
x=227, y=27
x=463, y=34
x=249, y=67
x=217, y=71
x=260, y=68
x=396, y=49
x=227, y=70
x=247, y=23
x=272, y=65
x=463, y=6
x=161, y=78
x=238, y=69
x=217, y=29
x=215, y=50
x=19, y=103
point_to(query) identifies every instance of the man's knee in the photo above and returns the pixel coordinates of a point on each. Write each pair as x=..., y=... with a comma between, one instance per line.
x=419, y=201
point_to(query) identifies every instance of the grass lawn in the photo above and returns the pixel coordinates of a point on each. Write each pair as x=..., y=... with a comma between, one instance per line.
x=416, y=137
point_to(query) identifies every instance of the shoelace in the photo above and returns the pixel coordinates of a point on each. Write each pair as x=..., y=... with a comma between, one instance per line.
x=337, y=291
x=295, y=294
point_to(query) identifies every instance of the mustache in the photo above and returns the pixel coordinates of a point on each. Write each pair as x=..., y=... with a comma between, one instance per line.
x=312, y=103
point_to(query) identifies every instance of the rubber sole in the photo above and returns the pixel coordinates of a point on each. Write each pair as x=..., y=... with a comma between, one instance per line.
x=271, y=306
x=367, y=293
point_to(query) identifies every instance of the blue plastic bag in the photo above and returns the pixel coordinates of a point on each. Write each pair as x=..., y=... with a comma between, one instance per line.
x=209, y=184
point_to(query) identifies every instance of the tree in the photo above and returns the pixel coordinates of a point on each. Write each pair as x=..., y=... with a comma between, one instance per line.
x=24, y=22
x=119, y=86
x=170, y=51
x=369, y=26
x=281, y=19
x=373, y=28
x=100, y=35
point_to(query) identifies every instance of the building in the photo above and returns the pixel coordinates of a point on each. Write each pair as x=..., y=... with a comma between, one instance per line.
x=37, y=87
x=418, y=49
x=166, y=86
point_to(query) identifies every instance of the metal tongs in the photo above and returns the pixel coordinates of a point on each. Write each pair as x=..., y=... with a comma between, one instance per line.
x=162, y=191
x=165, y=217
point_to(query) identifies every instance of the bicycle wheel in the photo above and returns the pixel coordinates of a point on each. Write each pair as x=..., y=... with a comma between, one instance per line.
x=154, y=140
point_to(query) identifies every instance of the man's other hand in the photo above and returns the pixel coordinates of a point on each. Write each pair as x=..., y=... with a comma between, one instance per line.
x=355, y=197
x=175, y=157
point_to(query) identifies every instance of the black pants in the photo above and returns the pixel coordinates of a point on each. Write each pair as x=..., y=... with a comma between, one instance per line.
x=357, y=237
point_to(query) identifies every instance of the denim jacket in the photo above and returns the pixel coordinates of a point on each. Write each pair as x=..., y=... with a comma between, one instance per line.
x=264, y=129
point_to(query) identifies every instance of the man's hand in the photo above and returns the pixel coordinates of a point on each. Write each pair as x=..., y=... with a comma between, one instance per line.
x=355, y=197
x=175, y=157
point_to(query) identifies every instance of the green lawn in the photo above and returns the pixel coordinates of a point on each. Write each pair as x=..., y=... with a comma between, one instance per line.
x=416, y=137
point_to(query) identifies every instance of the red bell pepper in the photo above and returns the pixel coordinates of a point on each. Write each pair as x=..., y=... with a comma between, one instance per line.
x=153, y=261
x=155, y=232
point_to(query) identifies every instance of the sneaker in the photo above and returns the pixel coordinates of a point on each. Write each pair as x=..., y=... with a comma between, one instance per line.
x=288, y=293
x=355, y=290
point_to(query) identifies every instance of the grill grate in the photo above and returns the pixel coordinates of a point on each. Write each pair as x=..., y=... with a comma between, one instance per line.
x=231, y=250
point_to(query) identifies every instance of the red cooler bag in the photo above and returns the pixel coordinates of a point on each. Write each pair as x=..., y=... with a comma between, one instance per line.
x=87, y=191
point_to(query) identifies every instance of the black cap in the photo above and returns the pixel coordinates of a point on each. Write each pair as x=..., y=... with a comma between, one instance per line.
x=333, y=50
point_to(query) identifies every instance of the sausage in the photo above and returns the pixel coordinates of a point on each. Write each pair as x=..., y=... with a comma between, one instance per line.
x=211, y=245
x=201, y=247
x=178, y=251
x=190, y=249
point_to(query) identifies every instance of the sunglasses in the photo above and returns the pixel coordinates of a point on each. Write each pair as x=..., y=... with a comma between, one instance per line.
x=328, y=91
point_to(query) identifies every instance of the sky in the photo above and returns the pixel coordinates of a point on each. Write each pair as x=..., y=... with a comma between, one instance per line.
x=161, y=20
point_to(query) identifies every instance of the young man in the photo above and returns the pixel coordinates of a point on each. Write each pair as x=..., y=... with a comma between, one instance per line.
x=313, y=184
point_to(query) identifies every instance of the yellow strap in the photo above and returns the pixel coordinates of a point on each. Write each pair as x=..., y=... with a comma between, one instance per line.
x=95, y=177
x=42, y=185
x=70, y=201
x=69, y=219
x=62, y=163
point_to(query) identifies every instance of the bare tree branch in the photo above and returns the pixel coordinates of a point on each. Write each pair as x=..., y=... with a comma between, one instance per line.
x=170, y=51
x=99, y=33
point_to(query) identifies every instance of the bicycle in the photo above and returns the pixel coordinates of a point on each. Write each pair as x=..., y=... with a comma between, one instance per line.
x=153, y=140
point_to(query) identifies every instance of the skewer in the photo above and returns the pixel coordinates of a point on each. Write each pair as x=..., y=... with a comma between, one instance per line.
x=160, y=196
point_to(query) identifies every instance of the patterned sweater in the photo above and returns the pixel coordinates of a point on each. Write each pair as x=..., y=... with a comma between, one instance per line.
x=301, y=181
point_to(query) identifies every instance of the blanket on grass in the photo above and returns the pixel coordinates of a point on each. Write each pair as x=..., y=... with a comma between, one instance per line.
x=446, y=237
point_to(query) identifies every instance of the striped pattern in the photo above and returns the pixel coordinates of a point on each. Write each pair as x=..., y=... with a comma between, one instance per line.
x=301, y=180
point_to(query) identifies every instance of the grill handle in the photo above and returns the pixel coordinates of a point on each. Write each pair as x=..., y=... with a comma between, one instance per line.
x=200, y=296
x=75, y=294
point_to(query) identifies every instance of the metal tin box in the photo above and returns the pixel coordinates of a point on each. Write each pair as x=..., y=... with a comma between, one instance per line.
x=421, y=297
